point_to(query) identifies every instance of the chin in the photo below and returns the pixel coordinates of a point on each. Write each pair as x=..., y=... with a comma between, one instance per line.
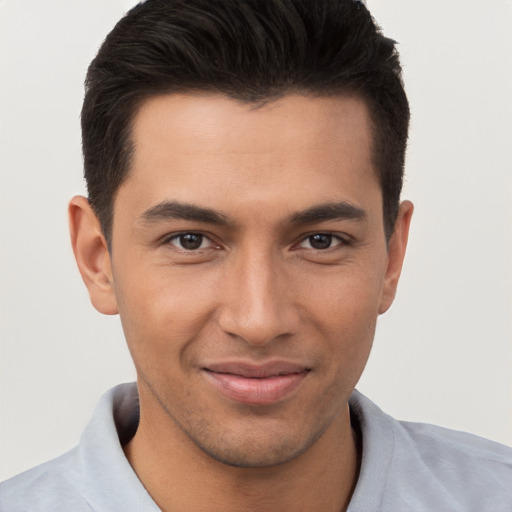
x=267, y=457
x=256, y=449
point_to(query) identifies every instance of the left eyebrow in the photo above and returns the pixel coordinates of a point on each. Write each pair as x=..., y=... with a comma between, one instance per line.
x=167, y=210
x=329, y=211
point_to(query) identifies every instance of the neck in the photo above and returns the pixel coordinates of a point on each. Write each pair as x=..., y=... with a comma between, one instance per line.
x=179, y=476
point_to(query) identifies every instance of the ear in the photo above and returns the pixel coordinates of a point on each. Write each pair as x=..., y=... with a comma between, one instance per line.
x=91, y=254
x=396, y=253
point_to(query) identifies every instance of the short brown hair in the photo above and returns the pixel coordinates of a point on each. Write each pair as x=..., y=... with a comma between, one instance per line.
x=250, y=50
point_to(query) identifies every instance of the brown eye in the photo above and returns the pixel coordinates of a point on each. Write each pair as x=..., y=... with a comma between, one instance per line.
x=321, y=241
x=190, y=241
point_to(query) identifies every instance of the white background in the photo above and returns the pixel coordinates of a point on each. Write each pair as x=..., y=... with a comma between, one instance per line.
x=443, y=353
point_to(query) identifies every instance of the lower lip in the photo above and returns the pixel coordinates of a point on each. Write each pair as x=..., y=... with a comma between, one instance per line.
x=256, y=391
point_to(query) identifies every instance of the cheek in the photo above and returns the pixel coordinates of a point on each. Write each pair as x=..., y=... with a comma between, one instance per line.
x=160, y=313
x=344, y=308
x=345, y=299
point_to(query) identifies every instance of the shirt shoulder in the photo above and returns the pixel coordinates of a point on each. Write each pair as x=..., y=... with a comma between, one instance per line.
x=465, y=472
x=53, y=486
x=455, y=444
x=422, y=467
x=95, y=475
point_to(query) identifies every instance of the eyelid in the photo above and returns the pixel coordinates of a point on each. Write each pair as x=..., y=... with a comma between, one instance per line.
x=167, y=240
x=343, y=240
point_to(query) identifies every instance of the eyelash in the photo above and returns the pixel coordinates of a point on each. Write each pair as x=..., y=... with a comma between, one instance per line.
x=178, y=236
x=341, y=241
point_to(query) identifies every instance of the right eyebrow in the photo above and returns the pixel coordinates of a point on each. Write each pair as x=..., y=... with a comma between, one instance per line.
x=175, y=210
x=329, y=211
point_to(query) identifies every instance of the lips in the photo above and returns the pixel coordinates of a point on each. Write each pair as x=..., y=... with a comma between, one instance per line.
x=256, y=384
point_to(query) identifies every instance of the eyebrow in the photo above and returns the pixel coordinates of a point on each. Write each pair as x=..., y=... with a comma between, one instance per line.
x=167, y=210
x=329, y=211
x=175, y=210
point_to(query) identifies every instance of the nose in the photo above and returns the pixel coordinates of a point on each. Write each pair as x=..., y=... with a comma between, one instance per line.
x=257, y=304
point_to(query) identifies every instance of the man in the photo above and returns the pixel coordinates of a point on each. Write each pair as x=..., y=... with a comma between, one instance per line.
x=244, y=164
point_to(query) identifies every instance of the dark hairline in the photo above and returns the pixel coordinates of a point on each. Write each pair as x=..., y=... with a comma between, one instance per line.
x=129, y=142
x=324, y=48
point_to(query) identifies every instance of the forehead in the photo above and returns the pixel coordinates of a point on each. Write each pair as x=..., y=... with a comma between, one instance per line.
x=209, y=148
x=217, y=122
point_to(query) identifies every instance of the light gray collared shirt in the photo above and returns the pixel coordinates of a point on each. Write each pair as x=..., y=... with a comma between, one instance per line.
x=406, y=467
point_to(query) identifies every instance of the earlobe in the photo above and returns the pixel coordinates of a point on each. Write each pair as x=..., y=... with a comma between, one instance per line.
x=396, y=254
x=92, y=256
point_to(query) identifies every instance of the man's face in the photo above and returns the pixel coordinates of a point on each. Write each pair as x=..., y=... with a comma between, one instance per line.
x=249, y=266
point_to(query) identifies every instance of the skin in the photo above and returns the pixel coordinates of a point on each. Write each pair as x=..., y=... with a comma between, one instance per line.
x=258, y=289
